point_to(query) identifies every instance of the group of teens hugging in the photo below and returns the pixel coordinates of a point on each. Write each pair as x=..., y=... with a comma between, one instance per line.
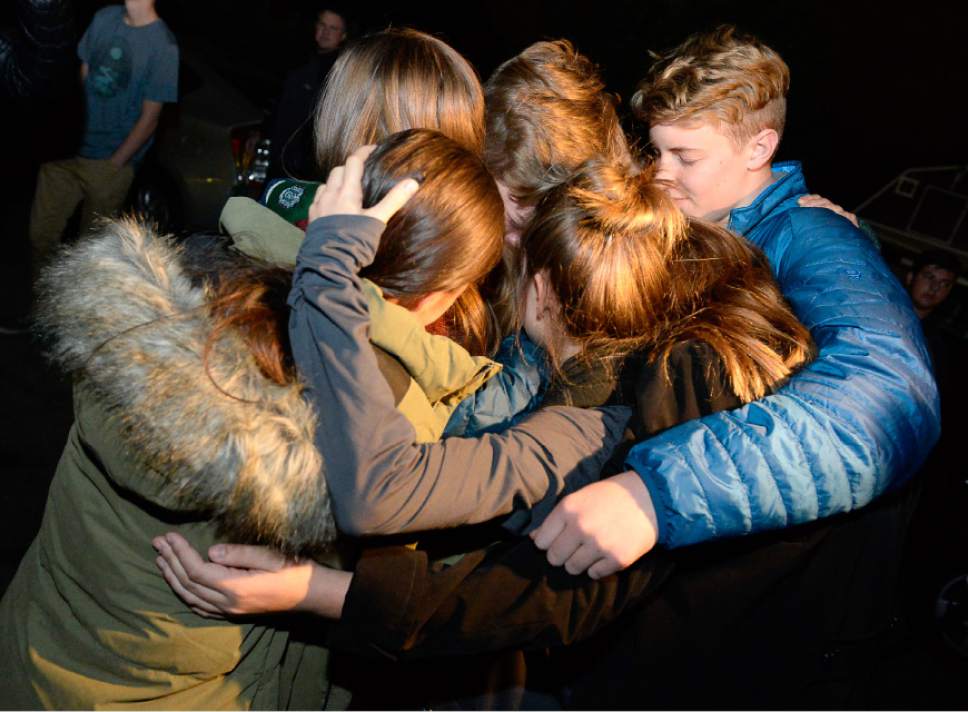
x=524, y=419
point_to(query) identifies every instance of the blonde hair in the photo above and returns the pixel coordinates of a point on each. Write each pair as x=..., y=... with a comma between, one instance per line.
x=630, y=271
x=732, y=79
x=395, y=80
x=548, y=113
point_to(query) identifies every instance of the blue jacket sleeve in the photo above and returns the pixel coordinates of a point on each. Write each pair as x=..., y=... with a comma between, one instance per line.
x=508, y=396
x=860, y=418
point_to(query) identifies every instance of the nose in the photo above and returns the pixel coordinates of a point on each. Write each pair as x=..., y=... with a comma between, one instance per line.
x=663, y=168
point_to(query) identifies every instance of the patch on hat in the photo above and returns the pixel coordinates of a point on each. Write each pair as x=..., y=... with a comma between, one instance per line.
x=291, y=196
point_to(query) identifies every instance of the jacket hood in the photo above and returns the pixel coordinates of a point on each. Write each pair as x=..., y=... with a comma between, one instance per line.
x=124, y=317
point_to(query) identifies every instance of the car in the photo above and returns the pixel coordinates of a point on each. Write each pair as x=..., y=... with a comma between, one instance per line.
x=210, y=145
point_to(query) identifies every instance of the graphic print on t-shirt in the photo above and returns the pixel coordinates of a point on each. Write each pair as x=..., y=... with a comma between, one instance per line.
x=110, y=68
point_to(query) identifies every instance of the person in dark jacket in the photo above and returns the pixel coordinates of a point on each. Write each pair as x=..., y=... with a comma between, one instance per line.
x=291, y=149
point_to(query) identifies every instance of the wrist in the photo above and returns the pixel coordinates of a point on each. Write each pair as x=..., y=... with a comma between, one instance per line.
x=327, y=592
x=636, y=488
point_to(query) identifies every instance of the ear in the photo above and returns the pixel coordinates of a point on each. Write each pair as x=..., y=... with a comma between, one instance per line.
x=909, y=278
x=541, y=292
x=761, y=149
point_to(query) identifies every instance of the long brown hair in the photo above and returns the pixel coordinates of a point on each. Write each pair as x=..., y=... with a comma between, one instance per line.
x=447, y=236
x=630, y=271
x=394, y=80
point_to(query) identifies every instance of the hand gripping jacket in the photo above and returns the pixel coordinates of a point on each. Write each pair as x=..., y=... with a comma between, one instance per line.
x=861, y=418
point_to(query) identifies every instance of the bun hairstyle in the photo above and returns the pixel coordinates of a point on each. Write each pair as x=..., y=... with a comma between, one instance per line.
x=630, y=271
x=603, y=241
x=448, y=236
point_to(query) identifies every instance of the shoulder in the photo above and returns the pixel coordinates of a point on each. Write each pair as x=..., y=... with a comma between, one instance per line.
x=162, y=36
x=111, y=13
x=814, y=236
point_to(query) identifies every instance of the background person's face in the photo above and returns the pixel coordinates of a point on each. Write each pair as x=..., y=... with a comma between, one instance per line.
x=705, y=172
x=931, y=286
x=516, y=216
x=330, y=31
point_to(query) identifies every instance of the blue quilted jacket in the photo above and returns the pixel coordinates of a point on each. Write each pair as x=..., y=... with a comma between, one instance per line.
x=859, y=419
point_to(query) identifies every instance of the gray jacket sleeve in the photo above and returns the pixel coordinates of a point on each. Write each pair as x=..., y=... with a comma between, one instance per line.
x=380, y=481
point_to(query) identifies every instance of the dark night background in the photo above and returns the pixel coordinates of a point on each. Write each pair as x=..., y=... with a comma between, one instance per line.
x=876, y=88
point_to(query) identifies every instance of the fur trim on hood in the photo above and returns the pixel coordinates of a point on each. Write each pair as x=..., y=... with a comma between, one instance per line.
x=124, y=316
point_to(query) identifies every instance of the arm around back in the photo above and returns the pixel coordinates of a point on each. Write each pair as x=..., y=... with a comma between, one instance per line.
x=857, y=420
x=379, y=481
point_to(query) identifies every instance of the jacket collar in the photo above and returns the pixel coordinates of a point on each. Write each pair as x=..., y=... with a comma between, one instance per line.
x=788, y=186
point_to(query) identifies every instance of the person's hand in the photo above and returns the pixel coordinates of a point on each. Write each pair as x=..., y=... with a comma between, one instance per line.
x=248, y=579
x=342, y=194
x=604, y=527
x=818, y=201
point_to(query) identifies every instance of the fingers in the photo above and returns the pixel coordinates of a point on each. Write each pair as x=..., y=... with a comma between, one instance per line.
x=334, y=183
x=243, y=556
x=363, y=152
x=201, y=607
x=818, y=201
x=582, y=559
x=603, y=567
x=565, y=545
x=352, y=188
x=186, y=572
x=395, y=199
x=549, y=530
x=343, y=192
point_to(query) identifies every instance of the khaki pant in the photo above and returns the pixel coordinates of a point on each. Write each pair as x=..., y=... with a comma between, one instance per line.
x=61, y=185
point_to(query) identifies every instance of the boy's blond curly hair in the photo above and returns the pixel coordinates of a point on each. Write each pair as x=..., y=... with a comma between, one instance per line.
x=731, y=78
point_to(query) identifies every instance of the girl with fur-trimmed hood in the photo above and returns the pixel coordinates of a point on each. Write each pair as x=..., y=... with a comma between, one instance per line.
x=189, y=416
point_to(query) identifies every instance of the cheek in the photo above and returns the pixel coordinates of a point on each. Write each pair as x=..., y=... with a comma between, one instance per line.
x=521, y=216
x=698, y=181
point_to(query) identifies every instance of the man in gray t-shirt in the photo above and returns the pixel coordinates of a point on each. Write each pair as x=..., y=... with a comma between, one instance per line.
x=129, y=66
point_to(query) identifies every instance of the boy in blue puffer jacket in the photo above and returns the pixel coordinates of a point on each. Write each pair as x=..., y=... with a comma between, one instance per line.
x=858, y=420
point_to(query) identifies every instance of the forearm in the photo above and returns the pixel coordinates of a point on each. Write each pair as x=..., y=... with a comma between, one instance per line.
x=141, y=132
x=401, y=604
x=379, y=481
x=327, y=592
